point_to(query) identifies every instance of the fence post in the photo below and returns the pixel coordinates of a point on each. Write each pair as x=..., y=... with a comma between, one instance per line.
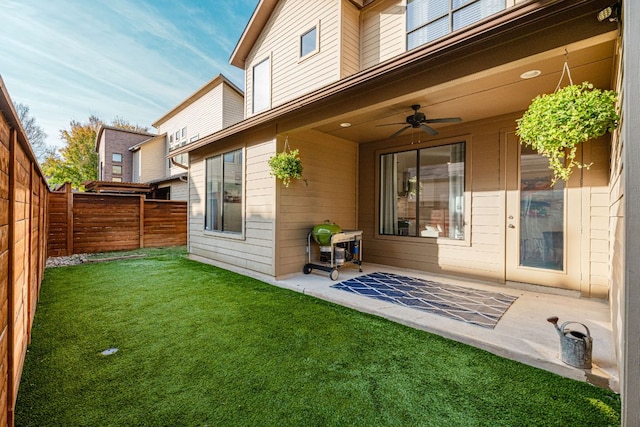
x=141, y=221
x=67, y=188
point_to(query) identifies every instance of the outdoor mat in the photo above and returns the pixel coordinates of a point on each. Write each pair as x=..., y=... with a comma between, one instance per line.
x=478, y=307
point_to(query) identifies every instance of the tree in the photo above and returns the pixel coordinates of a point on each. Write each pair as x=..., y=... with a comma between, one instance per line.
x=77, y=161
x=121, y=123
x=35, y=133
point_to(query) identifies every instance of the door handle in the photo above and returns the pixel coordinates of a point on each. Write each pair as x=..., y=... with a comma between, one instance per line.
x=511, y=226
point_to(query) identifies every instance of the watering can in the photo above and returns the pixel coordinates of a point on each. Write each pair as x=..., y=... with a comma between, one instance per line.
x=575, y=346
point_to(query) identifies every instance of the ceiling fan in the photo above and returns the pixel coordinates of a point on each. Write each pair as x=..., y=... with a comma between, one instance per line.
x=419, y=120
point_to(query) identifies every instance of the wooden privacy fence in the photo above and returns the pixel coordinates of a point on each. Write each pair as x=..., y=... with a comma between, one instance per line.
x=99, y=222
x=23, y=245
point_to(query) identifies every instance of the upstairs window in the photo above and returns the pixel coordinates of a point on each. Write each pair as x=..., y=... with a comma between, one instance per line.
x=428, y=20
x=309, y=42
x=261, y=86
x=116, y=158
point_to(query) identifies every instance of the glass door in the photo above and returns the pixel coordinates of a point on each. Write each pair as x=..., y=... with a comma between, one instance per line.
x=538, y=236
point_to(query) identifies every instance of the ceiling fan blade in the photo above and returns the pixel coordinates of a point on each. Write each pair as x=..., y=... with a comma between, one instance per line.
x=444, y=120
x=428, y=129
x=400, y=131
x=392, y=124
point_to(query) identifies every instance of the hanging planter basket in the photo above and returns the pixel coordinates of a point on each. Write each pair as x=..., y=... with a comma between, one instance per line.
x=286, y=165
x=555, y=124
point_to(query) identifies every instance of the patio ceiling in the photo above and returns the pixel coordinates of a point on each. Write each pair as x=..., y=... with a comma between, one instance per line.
x=493, y=92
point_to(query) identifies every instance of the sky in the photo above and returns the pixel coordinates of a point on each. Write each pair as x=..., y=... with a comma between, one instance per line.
x=133, y=59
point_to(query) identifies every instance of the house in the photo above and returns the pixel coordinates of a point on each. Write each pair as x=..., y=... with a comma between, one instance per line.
x=141, y=157
x=115, y=162
x=216, y=105
x=350, y=83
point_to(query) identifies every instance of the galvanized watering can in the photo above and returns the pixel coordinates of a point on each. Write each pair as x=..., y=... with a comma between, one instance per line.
x=575, y=346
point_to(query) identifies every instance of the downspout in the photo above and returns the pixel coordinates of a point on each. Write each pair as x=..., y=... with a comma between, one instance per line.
x=180, y=165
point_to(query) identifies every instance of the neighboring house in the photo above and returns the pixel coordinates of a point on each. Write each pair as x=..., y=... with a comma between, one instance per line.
x=216, y=105
x=140, y=157
x=338, y=79
x=115, y=162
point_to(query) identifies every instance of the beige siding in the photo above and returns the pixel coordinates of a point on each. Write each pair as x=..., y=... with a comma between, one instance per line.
x=179, y=190
x=290, y=76
x=152, y=161
x=616, y=224
x=595, y=268
x=206, y=115
x=330, y=166
x=233, y=107
x=349, y=40
x=383, y=32
x=254, y=250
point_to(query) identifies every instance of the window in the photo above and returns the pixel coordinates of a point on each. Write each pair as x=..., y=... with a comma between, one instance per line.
x=194, y=138
x=170, y=139
x=223, y=204
x=309, y=42
x=116, y=170
x=116, y=158
x=184, y=133
x=262, y=86
x=177, y=135
x=428, y=20
x=116, y=179
x=422, y=192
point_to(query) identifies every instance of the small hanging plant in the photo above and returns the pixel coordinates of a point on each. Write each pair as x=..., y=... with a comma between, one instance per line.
x=555, y=124
x=286, y=165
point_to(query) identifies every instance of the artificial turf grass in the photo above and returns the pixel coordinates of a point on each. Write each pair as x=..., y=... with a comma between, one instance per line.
x=203, y=346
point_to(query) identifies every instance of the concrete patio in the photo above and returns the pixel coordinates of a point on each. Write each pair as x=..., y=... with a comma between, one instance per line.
x=522, y=334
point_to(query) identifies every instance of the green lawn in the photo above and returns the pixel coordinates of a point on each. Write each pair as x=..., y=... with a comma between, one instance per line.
x=200, y=346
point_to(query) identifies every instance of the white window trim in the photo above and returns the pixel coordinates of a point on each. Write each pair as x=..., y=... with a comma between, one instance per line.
x=253, y=84
x=315, y=26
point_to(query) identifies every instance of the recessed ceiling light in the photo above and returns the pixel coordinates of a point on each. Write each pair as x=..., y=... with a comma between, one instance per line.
x=530, y=74
x=345, y=124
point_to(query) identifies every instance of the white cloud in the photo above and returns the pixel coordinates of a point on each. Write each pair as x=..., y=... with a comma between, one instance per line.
x=71, y=58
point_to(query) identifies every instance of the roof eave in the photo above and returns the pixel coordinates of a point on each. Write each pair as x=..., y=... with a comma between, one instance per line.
x=252, y=31
x=217, y=80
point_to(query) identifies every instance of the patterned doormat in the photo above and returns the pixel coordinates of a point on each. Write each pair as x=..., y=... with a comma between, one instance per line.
x=478, y=307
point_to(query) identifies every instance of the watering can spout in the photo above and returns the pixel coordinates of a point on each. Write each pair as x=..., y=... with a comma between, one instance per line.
x=554, y=320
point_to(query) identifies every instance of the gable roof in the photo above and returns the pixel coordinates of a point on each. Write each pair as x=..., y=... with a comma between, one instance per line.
x=256, y=24
x=206, y=88
x=105, y=127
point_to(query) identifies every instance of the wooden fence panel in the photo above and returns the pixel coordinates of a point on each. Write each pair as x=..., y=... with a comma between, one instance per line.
x=105, y=223
x=23, y=233
x=5, y=156
x=165, y=223
x=101, y=222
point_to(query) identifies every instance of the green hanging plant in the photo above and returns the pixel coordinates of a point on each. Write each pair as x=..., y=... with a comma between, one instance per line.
x=287, y=166
x=556, y=123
